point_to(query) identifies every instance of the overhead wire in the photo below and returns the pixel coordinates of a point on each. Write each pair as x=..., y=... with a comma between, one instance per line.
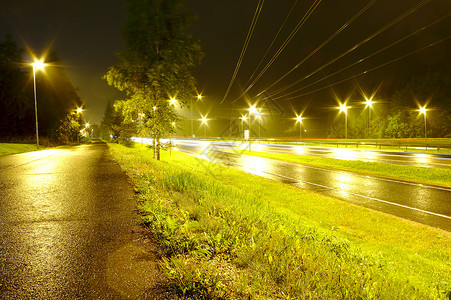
x=376, y=33
x=374, y=68
x=246, y=43
x=281, y=48
x=272, y=42
x=365, y=58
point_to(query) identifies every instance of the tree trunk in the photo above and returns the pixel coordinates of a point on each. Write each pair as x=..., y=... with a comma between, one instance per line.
x=153, y=147
x=158, y=148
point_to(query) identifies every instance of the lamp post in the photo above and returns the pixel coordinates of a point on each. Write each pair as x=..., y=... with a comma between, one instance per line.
x=37, y=65
x=204, y=121
x=258, y=116
x=423, y=111
x=252, y=110
x=199, y=97
x=368, y=104
x=243, y=118
x=299, y=119
x=344, y=109
x=79, y=111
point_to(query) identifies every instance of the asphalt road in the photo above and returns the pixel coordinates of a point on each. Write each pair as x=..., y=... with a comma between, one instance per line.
x=420, y=203
x=434, y=160
x=68, y=229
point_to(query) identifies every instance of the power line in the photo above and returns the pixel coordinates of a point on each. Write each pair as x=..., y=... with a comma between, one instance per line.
x=272, y=42
x=376, y=33
x=365, y=58
x=246, y=43
x=372, y=69
x=285, y=43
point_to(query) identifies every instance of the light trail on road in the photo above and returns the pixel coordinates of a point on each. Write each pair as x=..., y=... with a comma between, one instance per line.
x=425, y=204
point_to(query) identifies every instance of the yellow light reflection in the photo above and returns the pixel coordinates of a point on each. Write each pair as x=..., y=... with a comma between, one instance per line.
x=422, y=158
x=254, y=165
x=345, y=154
x=300, y=150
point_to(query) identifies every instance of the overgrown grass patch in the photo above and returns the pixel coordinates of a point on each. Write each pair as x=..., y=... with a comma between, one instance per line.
x=225, y=234
x=13, y=148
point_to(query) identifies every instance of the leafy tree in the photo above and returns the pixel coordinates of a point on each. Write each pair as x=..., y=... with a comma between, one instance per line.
x=105, y=125
x=68, y=129
x=122, y=128
x=15, y=103
x=156, y=64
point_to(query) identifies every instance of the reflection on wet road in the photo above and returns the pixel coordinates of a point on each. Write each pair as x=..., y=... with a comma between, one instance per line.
x=401, y=158
x=424, y=204
x=61, y=213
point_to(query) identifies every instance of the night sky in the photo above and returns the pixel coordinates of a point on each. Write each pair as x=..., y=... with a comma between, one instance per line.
x=86, y=34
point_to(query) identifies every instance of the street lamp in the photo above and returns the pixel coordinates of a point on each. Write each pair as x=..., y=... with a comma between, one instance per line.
x=344, y=109
x=252, y=110
x=37, y=65
x=199, y=97
x=204, y=121
x=368, y=104
x=258, y=116
x=423, y=110
x=243, y=119
x=79, y=111
x=299, y=119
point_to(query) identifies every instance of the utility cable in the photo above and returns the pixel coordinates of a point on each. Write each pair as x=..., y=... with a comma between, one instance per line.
x=372, y=69
x=272, y=43
x=285, y=43
x=365, y=58
x=246, y=43
x=377, y=32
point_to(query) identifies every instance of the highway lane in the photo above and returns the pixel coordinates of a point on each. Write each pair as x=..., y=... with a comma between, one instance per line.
x=68, y=229
x=402, y=158
x=421, y=203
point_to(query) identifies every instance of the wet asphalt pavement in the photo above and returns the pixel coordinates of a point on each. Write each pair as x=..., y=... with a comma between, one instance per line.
x=429, y=205
x=68, y=229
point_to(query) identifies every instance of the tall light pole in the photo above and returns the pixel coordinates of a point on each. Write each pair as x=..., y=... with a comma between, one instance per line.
x=243, y=118
x=299, y=119
x=252, y=110
x=344, y=109
x=199, y=97
x=423, y=111
x=79, y=111
x=368, y=104
x=258, y=116
x=204, y=121
x=37, y=65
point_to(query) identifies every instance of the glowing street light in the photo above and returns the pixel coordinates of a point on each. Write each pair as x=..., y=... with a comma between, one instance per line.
x=79, y=110
x=204, y=121
x=37, y=65
x=258, y=116
x=199, y=97
x=423, y=110
x=252, y=110
x=299, y=119
x=344, y=108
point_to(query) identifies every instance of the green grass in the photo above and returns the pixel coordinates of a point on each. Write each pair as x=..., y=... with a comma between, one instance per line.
x=424, y=175
x=225, y=234
x=11, y=148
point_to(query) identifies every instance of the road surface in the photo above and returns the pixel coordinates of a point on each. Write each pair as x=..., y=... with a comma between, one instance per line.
x=401, y=158
x=425, y=204
x=68, y=229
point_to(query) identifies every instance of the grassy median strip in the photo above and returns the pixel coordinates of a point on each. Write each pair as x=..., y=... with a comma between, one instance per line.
x=226, y=234
x=11, y=148
x=424, y=175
